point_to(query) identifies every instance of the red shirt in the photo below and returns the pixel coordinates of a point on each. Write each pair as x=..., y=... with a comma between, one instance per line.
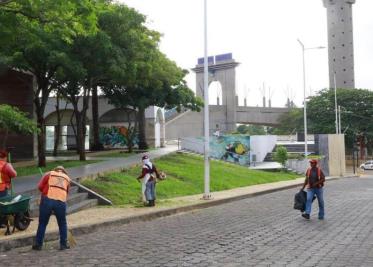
x=8, y=172
x=43, y=184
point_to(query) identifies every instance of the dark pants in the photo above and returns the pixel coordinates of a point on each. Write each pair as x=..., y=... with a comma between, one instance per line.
x=47, y=206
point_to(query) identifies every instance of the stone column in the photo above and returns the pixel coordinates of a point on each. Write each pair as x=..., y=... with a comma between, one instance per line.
x=340, y=43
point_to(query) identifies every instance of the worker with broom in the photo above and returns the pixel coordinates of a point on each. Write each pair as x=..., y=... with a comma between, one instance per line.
x=54, y=187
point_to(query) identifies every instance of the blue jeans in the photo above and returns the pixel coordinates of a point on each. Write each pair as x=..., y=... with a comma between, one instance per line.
x=320, y=198
x=47, y=206
x=150, y=190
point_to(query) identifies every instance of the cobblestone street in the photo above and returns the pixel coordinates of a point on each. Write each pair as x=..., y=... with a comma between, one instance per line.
x=260, y=231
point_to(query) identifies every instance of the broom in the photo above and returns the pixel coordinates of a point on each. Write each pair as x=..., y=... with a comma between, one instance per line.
x=70, y=236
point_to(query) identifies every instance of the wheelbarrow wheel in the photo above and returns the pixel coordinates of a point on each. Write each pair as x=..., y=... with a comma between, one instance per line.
x=22, y=220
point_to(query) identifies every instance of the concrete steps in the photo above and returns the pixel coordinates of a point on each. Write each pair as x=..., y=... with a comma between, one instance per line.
x=76, y=201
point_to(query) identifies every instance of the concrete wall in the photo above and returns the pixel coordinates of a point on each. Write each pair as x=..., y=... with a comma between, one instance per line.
x=259, y=115
x=261, y=145
x=337, y=160
x=331, y=148
x=16, y=89
x=106, y=110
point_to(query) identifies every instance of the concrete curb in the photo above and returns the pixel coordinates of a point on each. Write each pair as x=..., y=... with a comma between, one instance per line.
x=23, y=241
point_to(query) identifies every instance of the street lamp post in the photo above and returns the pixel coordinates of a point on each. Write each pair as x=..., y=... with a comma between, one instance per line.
x=304, y=93
x=206, y=194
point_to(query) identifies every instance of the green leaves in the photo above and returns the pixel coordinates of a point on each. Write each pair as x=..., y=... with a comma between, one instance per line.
x=281, y=155
x=13, y=120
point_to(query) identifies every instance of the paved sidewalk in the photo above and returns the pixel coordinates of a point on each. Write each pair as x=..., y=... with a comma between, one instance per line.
x=89, y=220
x=28, y=183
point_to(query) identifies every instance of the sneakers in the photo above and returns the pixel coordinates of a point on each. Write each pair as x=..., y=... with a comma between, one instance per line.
x=306, y=216
x=36, y=247
x=63, y=247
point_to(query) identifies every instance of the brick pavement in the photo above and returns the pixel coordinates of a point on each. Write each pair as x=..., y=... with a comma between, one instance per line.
x=260, y=231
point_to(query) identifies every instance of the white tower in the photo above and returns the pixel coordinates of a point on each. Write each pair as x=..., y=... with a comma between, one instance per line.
x=340, y=43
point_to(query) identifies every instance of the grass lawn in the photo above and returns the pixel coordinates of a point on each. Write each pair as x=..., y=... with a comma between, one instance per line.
x=184, y=177
x=30, y=170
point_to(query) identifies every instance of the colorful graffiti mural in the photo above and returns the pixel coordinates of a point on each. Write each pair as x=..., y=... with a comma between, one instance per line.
x=115, y=137
x=233, y=148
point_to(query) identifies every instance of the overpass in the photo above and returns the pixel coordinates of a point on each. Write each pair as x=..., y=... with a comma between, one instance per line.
x=226, y=116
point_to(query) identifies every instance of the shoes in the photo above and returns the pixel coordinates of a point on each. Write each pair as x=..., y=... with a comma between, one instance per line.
x=306, y=216
x=321, y=218
x=36, y=247
x=63, y=247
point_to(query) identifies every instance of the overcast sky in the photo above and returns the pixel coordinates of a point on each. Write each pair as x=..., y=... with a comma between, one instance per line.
x=262, y=35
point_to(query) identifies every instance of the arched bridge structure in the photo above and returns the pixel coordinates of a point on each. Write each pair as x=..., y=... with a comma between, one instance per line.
x=224, y=117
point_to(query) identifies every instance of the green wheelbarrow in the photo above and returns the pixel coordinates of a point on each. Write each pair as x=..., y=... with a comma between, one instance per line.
x=15, y=211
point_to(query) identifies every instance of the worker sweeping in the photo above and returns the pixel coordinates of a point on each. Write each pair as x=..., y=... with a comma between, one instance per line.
x=54, y=187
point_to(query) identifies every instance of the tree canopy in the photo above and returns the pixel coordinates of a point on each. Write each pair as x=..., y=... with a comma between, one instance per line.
x=356, y=114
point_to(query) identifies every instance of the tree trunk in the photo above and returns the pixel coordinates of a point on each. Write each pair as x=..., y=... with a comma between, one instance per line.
x=3, y=147
x=95, y=123
x=141, y=120
x=57, y=129
x=41, y=140
x=80, y=136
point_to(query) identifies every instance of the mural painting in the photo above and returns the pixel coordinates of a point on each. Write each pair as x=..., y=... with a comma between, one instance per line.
x=233, y=148
x=115, y=137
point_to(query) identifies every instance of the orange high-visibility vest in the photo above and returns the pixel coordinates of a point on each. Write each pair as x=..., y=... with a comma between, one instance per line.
x=58, y=183
x=308, y=173
x=4, y=179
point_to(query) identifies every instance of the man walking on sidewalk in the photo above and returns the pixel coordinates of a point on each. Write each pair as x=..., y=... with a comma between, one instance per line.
x=54, y=186
x=314, y=182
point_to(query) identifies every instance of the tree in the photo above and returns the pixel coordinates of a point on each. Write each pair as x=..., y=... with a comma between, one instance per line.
x=160, y=84
x=251, y=129
x=281, y=155
x=12, y=120
x=35, y=35
x=145, y=76
x=356, y=114
x=289, y=122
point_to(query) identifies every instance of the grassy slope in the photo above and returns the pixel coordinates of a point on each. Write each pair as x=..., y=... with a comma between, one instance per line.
x=184, y=177
x=24, y=171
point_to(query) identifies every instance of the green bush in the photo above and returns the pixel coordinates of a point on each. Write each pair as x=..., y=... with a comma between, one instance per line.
x=281, y=155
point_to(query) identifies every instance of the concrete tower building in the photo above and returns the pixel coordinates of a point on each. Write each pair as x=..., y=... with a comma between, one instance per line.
x=340, y=43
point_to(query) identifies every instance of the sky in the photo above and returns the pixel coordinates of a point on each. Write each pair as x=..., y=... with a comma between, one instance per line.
x=262, y=35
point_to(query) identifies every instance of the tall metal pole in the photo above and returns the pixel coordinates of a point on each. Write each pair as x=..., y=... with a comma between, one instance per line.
x=336, y=106
x=304, y=100
x=339, y=120
x=206, y=195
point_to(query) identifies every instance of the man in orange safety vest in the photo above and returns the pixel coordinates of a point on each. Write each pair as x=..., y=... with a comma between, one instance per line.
x=314, y=182
x=54, y=187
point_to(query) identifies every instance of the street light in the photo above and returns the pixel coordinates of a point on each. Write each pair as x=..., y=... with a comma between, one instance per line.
x=304, y=93
x=206, y=194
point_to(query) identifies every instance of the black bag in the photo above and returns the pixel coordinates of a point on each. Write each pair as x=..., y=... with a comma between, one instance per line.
x=300, y=200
